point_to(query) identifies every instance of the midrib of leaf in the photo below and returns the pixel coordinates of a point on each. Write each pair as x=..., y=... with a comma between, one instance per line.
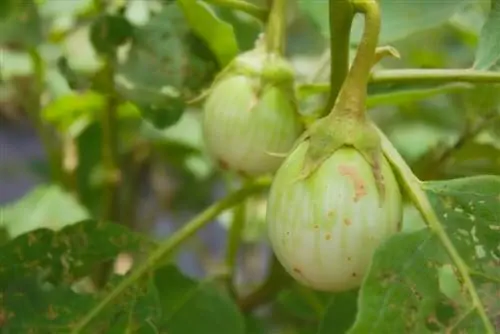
x=188, y=297
x=414, y=188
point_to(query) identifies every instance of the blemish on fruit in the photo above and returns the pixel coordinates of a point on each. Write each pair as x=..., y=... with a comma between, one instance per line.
x=347, y=221
x=349, y=258
x=354, y=275
x=328, y=236
x=331, y=214
x=316, y=226
x=359, y=186
x=297, y=270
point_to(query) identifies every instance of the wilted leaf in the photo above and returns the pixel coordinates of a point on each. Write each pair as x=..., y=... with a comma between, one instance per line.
x=399, y=18
x=488, y=51
x=195, y=307
x=218, y=35
x=48, y=206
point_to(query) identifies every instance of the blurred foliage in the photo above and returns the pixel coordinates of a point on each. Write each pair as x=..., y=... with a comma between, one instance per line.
x=64, y=65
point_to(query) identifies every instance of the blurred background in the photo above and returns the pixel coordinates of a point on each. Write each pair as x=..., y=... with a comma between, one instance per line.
x=47, y=52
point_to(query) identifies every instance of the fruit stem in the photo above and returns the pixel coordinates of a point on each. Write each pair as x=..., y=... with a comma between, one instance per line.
x=413, y=187
x=276, y=27
x=341, y=16
x=352, y=97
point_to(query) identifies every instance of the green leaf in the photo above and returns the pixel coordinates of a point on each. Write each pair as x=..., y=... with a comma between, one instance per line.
x=48, y=206
x=109, y=32
x=399, y=18
x=195, y=307
x=469, y=208
x=66, y=254
x=340, y=313
x=401, y=292
x=488, y=51
x=20, y=25
x=218, y=35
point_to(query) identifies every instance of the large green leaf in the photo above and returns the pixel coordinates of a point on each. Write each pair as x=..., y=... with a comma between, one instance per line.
x=399, y=18
x=218, y=35
x=66, y=254
x=470, y=210
x=488, y=51
x=401, y=292
x=47, y=206
x=195, y=307
x=340, y=313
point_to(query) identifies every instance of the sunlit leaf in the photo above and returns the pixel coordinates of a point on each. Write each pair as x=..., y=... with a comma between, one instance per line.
x=219, y=35
x=47, y=206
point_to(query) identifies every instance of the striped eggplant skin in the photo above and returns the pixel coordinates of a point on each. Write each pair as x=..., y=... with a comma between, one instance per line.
x=325, y=229
x=243, y=124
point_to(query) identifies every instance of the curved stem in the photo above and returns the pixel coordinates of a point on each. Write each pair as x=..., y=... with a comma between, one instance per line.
x=249, y=8
x=352, y=96
x=341, y=16
x=413, y=187
x=168, y=246
x=275, y=30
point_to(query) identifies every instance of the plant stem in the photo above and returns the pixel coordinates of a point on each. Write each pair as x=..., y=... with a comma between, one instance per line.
x=233, y=243
x=276, y=28
x=435, y=75
x=420, y=76
x=168, y=246
x=249, y=8
x=34, y=110
x=413, y=187
x=352, y=96
x=341, y=16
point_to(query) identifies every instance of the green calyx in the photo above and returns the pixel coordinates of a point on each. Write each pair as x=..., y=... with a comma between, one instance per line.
x=347, y=125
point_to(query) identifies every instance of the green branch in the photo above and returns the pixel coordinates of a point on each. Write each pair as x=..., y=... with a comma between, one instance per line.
x=414, y=76
x=168, y=246
x=276, y=28
x=341, y=16
x=249, y=8
x=413, y=187
x=435, y=75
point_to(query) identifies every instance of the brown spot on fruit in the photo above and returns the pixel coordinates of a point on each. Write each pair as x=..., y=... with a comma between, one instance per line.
x=223, y=164
x=316, y=226
x=331, y=214
x=328, y=236
x=347, y=221
x=297, y=270
x=349, y=258
x=354, y=275
x=359, y=186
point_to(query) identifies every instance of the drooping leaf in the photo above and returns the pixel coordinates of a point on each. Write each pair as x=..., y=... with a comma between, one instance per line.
x=218, y=35
x=488, y=51
x=195, y=307
x=399, y=18
x=47, y=206
x=66, y=254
